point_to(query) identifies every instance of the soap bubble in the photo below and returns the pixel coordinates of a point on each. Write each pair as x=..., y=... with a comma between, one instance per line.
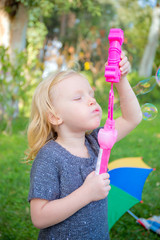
x=74, y=66
x=145, y=86
x=158, y=76
x=142, y=87
x=149, y=111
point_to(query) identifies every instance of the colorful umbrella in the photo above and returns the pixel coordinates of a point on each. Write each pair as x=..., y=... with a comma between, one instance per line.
x=127, y=178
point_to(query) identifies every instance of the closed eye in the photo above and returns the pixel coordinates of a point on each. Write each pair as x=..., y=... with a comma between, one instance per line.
x=77, y=98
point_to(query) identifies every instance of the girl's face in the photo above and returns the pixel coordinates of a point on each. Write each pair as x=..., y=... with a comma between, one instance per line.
x=75, y=104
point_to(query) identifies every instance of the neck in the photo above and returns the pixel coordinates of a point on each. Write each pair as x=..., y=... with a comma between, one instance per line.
x=74, y=140
x=74, y=143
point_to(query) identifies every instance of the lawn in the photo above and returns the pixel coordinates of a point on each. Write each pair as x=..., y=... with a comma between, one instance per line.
x=15, y=223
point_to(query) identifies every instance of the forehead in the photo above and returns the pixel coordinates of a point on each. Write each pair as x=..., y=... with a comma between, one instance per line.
x=72, y=84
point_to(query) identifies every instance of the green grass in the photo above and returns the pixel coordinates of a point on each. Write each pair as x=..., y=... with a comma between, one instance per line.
x=143, y=141
x=15, y=223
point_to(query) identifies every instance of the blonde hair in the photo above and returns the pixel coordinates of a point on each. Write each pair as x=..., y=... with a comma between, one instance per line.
x=40, y=130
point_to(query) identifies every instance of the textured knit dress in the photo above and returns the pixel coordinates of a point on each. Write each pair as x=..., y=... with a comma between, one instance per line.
x=55, y=174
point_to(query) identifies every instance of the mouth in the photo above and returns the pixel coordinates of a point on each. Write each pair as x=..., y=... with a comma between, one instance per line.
x=96, y=110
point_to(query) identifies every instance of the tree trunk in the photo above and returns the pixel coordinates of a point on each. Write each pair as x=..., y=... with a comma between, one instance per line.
x=63, y=25
x=150, y=50
x=13, y=29
x=13, y=26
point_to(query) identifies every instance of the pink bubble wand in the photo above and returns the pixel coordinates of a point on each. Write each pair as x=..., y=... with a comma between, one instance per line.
x=107, y=136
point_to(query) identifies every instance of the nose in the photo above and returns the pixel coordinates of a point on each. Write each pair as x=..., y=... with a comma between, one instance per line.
x=91, y=101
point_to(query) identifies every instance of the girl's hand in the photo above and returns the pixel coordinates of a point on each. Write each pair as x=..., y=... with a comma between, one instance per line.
x=97, y=186
x=124, y=65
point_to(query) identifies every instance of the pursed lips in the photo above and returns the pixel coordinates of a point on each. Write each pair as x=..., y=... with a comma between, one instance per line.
x=96, y=110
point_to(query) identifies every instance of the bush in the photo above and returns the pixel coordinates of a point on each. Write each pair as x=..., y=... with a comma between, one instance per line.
x=16, y=80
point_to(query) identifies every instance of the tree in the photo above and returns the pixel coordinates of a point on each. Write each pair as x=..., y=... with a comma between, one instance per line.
x=13, y=25
x=135, y=22
x=14, y=16
x=18, y=19
x=152, y=44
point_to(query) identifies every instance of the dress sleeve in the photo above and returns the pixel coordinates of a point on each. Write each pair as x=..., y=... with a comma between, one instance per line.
x=44, y=177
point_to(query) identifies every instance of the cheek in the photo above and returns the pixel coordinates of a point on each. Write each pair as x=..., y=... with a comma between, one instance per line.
x=67, y=111
x=61, y=107
x=76, y=110
x=76, y=113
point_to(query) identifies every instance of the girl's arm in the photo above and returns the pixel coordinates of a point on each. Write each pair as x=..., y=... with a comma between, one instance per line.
x=46, y=213
x=130, y=108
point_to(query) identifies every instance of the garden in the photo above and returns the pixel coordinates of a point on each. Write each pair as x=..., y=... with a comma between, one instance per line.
x=74, y=35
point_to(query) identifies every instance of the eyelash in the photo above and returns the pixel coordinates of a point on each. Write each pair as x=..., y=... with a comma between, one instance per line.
x=77, y=98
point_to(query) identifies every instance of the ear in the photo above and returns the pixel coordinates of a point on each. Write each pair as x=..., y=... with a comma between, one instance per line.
x=54, y=119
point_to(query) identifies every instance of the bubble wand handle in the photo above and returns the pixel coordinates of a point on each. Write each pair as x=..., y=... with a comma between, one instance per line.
x=112, y=71
x=107, y=135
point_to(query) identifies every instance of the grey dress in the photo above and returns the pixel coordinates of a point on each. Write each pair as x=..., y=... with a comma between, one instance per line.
x=56, y=173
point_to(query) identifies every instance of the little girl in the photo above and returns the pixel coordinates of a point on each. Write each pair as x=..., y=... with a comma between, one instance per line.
x=67, y=199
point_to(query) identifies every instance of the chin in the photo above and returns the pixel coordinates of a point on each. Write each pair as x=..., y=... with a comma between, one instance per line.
x=94, y=126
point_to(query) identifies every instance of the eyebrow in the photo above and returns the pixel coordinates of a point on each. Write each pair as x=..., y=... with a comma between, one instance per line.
x=81, y=91
x=78, y=92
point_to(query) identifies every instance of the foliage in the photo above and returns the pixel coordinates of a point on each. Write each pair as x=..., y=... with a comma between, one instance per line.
x=16, y=79
x=45, y=6
x=15, y=222
x=135, y=21
x=128, y=15
x=90, y=35
x=84, y=42
x=95, y=18
x=36, y=34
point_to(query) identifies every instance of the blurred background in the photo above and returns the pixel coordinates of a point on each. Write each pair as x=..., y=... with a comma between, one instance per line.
x=38, y=37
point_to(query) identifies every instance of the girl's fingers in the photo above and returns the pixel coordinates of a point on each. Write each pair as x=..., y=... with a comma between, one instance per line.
x=124, y=64
x=105, y=176
x=124, y=60
x=122, y=55
x=108, y=188
x=107, y=182
x=125, y=67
